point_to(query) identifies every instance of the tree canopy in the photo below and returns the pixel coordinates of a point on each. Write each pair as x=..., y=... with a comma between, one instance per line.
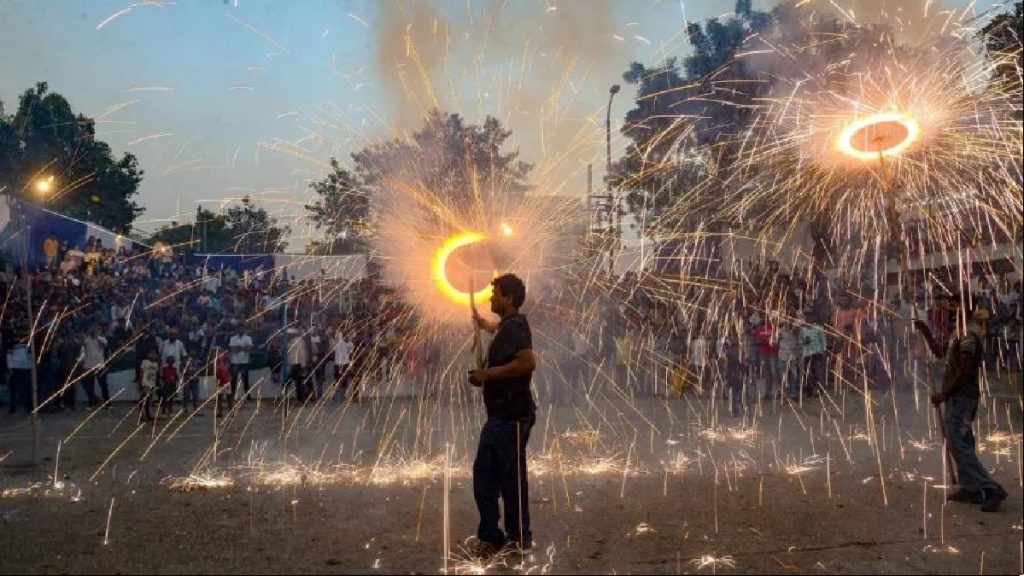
x=44, y=140
x=1003, y=35
x=679, y=105
x=456, y=168
x=241, y=229
x=341, y=210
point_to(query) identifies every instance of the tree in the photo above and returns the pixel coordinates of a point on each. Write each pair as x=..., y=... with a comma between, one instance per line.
x=681, y=110
x=341, y=211
x=253, y=231
x=1003, y=36
x=244, y=229
x=209, y=234
x=445, y=174
x=688, y=157
x=10, y=147
x=46, y=138
x=181, y=237
x=459, y=167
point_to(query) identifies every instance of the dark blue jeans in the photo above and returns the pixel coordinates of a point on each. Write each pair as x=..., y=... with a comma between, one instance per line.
x=960, y=412
x=239, y=372
x=500, y=470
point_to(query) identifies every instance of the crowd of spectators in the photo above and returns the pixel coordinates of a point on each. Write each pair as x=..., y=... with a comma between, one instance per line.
x=173, y=323
x=769, y=333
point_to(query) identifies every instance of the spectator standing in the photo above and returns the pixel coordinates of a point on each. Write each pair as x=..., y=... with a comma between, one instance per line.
x=342, y=361
x=93, y=356
x=241, y=347
x=813, y=349
x=149, y=371
x=298, y=363
x=222, y=372
x=174, y=349
x=169, y=383
x=699, y=355
x=790, y=359
x=768, y=351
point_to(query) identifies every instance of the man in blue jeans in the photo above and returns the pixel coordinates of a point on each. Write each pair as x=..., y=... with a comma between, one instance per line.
x=963, y=355
x=500, y=466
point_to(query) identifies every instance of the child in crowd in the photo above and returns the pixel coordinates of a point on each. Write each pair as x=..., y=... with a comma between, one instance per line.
x=169, y=379
x=223, y=372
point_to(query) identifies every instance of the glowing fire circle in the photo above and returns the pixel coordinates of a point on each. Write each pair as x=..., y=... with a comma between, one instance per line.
x=880, y=134
x=439, y=262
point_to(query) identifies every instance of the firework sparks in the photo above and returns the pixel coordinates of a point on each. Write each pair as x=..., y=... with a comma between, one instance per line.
x=880, y=135
x=712, y=561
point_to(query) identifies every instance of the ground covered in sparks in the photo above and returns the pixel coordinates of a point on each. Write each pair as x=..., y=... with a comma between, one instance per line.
x=650, y=485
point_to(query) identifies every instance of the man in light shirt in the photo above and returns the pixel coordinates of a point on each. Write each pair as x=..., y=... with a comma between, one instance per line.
x=298, y=363
x=240, y=344
x=93, y=358
x=699, y=354
x=813, y=350
x=342, y=358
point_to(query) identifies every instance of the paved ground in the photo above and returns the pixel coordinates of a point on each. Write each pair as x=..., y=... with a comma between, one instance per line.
x=647, y=486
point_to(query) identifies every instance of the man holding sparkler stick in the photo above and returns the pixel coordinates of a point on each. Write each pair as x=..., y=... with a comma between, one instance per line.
x=500, y=465
x=960, y=392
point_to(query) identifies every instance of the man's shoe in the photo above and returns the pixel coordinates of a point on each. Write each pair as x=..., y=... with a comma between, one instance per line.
x=483, y=550
x=519, y=547
x=993, y=498
x=966, y=496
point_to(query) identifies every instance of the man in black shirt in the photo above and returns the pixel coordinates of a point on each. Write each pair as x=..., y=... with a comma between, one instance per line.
x=963, y=355
x=500, y=465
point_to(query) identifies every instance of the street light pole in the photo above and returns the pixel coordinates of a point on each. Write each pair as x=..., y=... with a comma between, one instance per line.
x=26, y=230
x=613, y=207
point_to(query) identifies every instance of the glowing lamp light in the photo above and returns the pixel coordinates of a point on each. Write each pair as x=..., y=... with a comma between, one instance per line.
x=44, y=185
x=878, y=135
x=506, y=229
x=440, y=260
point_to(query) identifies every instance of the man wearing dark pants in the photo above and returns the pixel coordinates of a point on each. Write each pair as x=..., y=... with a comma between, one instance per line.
x=500, y=466
x=240, y=345
x=963, y=356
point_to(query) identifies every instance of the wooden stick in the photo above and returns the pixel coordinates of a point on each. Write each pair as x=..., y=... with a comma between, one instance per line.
x=478, y=344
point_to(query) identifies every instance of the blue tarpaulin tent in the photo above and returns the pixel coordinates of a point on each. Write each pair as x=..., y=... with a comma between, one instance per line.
x=43, y=225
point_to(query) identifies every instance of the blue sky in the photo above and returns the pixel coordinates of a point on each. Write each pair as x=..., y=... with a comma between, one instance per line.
x=201, y=90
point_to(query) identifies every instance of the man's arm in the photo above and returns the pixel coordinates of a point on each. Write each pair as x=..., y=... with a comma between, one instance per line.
x=490, y=326
x=937, y=350
x=523, y=364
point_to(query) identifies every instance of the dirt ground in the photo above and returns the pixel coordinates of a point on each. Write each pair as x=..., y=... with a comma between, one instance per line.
x=651, y=485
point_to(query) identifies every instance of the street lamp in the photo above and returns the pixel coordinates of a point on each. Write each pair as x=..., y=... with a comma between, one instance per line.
x=17, y=211
x=614, y=202
x=44, y=185
x=608, y=136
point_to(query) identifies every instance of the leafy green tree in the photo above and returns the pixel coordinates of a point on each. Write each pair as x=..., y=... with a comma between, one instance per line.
x=341, y=211
x=181, y=237
x=1004, y=35
x=681, y=106
x=209, y=234
x=44, y=139
x=692, y=118
x=454, y=171
x=461, y=166
x=253, y=231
